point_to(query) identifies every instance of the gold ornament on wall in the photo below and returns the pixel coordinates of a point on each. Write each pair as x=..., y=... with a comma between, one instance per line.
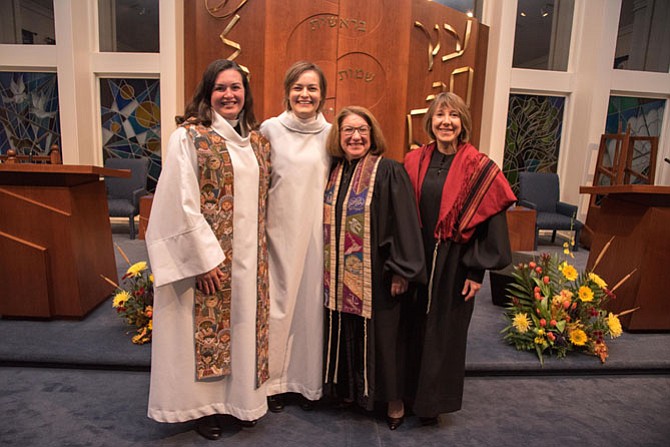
x=217, y=13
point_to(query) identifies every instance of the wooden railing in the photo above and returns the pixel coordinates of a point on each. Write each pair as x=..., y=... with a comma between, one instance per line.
x=53, y=158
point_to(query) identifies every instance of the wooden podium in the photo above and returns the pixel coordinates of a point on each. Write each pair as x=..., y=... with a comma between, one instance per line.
x=521, y=228
x=639, y=218
x=55, y=240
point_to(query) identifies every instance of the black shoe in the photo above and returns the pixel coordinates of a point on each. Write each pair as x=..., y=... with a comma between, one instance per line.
x=306, y=404
x=246, y=424
x=208, y=427
x=276, y=403
x=395, y=422
x=427, y=422
x=343, y=404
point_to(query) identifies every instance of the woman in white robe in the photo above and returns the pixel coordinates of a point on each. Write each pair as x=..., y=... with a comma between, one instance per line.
x=300, y=167
x=187, y=254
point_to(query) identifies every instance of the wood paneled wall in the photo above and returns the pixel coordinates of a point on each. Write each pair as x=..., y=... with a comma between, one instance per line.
x=387, y=55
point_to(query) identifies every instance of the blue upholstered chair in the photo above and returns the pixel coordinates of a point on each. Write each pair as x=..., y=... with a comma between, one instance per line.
x=123, y=194
x=541, y=192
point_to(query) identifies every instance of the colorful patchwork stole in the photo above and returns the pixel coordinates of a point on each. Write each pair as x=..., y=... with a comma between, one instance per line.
x=212, y=312
x=353, y=291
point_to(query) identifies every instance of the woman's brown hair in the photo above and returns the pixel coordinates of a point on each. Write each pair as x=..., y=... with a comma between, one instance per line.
x=199, y=109
x=377, y=140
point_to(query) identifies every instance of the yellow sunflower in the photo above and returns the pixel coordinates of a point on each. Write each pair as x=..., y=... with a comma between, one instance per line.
x=136, y=269
x=614, y=325
x=578, y=337
x=120, y=299
x=585, y=294
x=521, y=323
x=569, y=272
x=598, y=280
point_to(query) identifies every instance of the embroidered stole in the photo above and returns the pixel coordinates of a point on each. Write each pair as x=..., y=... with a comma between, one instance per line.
x=353, y=291
x=212, y=312
x=349, y=268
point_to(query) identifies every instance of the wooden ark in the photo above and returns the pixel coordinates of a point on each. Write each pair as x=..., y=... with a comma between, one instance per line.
x=391, y=56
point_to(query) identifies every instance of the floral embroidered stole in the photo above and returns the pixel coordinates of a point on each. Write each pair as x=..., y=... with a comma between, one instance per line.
x=353, y=258
x=212, y=312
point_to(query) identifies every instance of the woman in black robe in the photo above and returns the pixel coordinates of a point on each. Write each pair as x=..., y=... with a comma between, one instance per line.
x=462, y=197
x=373, y=252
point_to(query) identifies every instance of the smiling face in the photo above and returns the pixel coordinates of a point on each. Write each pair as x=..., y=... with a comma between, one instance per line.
x=228, y=94
x=446, y=126
x=354, y=136
x=305, y=95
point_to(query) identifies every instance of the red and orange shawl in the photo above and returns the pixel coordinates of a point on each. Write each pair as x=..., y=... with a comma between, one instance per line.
x=475, y=190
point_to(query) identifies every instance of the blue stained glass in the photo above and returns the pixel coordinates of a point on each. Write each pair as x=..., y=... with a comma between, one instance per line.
x=29, y=118
x=130, y=111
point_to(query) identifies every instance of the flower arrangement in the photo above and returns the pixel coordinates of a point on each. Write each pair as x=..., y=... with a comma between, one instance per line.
x=556, y=309
x=134, y=303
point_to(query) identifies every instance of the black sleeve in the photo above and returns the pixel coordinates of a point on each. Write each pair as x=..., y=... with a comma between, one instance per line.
x=399, y=234
x=489, y=248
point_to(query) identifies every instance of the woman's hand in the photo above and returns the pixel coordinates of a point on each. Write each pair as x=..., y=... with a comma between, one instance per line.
x=470, y=289
x=208, y=283
x=398, y=285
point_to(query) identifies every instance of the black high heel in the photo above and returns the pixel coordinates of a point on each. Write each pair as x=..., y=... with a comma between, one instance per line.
x=394, y=423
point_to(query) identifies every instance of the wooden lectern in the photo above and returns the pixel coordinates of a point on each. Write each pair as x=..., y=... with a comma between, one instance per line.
x=639, y=218
x=55, y=240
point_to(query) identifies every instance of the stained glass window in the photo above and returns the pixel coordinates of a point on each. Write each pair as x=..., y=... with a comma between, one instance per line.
x=131, y=121
x=533, y=138
x=644, y=117
x=29, y=118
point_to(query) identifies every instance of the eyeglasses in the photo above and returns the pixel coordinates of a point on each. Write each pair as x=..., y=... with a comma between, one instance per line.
x=349, y=130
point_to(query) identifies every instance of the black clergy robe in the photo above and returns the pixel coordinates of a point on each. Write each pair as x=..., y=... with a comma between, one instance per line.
x=396, y=248
x=437, y=342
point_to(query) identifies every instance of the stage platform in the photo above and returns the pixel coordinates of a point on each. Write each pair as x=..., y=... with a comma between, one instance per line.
x=69, y=382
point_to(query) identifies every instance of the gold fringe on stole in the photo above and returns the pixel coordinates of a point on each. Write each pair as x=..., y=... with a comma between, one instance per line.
x=367, y=239
x=337, y=354
x=330, y=340
x=365, y=357
x=333, y=259
x=432, y=274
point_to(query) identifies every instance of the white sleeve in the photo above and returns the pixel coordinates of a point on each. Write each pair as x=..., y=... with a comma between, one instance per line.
x=179, y=240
